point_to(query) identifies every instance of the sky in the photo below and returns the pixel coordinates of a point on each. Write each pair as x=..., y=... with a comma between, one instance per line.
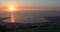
x=31, y=3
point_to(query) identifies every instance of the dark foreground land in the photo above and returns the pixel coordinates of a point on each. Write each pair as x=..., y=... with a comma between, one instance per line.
x=52, y=25
x=43, y=28
x=39, y=29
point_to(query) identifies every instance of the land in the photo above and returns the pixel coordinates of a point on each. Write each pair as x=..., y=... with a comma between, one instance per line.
x=52, y=25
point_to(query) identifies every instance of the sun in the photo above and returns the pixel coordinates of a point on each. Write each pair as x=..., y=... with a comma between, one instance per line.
x=11, y=8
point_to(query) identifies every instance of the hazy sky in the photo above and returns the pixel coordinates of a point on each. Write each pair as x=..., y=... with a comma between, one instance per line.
x=31, y=3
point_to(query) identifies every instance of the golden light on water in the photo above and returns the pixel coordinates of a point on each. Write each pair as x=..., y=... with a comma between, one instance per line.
x=12, y=18
x=11, y=10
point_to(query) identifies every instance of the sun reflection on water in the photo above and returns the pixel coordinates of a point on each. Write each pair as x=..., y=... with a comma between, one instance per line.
x=12, y=18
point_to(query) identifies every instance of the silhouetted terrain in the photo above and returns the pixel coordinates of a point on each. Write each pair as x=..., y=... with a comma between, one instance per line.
x=53, y=23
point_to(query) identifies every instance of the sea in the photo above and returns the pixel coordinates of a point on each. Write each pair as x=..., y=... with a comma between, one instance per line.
x=29, y=16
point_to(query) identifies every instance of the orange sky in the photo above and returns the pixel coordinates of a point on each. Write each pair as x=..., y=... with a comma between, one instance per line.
x=30, y=4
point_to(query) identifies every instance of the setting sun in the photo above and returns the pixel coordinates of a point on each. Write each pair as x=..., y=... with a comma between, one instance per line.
x=11, y=8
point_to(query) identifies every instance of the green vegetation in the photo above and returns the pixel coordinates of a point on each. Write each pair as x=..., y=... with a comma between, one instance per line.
x=39, y=29
x=43, y=28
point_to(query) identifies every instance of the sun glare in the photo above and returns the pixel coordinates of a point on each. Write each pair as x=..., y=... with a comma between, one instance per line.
x=11, y=8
